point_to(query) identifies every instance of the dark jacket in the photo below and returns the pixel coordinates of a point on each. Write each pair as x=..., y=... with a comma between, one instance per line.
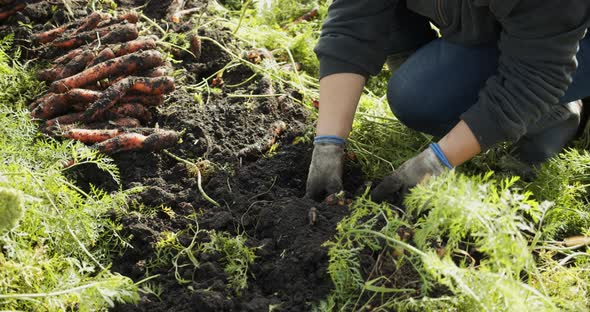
x=538, y=40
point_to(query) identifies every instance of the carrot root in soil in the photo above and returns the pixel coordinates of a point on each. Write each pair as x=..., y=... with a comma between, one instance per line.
x=275, y=130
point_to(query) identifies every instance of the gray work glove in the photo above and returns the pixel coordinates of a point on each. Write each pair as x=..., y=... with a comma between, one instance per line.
x=325, y=171
x=429, y=163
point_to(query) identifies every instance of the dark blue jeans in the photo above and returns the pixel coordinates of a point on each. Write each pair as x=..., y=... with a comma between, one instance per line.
x=439, y=82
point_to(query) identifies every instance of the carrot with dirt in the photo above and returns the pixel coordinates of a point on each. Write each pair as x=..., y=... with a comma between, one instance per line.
x=104, y=55
x=74, y=66
x=123, y=65
x=50, y=125
x=91, y=22
x=91, y=136
x=74, y=41
x=156, y=72
x=151, y=86
x=38, y=101
x=135, y=141
x=134, y=110
x=120, y=49
x=146, y=100
x=142, y=43
x=131, y=17
x=110, y=34
x=56, y=104
x=275, y=130
x=52, y=34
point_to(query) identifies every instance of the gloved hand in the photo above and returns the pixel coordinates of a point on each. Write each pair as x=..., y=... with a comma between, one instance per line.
x=431, y=162
x=325, y=171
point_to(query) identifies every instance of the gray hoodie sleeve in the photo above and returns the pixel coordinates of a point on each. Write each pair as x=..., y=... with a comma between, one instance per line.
x=538, y=46
x=353, y=36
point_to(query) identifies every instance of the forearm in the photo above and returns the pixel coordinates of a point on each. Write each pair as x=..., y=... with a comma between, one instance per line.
x=339, y=97
x=459, y=145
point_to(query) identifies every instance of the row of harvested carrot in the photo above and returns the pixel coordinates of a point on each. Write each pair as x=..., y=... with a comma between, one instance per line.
x=103, y=82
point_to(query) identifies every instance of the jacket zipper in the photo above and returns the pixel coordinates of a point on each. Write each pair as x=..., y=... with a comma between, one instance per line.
x=441, y=12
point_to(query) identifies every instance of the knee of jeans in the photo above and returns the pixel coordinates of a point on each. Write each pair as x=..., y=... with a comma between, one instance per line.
x=410, y=105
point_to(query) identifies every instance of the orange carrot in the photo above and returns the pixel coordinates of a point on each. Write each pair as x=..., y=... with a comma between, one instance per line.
x=160, y=140
x=74, y=41
x=50, y=35
x=74, y=66
x=144, y=43
x=135, y=141
x=58, y=104
x=152, y=86
x=4, y=14
x=104, y=55
x=156, y=72
x=134, y=110
x=122, y=65
x=68, y=56
x=126, y=122
x=115, y=33
x=49, y=125
x=91, y=135
x=146, y=100
x=131, y=17
x=120, y=33
x=120, y=49
x=123, y=142
x=91, y=22
x=38, y=101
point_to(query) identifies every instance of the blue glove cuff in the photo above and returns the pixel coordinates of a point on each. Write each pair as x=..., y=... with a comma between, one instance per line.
x=331, y=139
x=441, y=156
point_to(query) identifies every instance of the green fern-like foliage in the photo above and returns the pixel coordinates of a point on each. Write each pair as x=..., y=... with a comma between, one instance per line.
x=236, y=255
x=476, y=238
x=11, y=208
x=460, y=208
x=56, y=259
x=564, y=180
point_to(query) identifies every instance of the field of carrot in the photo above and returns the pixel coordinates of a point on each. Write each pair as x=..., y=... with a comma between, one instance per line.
x=153, y=157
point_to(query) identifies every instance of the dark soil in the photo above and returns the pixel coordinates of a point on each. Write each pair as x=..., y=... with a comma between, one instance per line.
x=261, y=193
